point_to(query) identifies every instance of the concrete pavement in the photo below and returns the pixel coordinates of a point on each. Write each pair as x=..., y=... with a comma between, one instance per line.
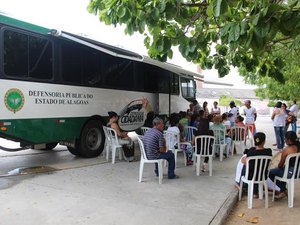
x=111, y=194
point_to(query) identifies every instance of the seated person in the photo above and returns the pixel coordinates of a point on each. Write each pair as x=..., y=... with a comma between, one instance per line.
x=155, y=147
x=259, y=149
x=293, y=146
x=186, y=146
x=124, y=139
x=203, y=129
x=217, y=124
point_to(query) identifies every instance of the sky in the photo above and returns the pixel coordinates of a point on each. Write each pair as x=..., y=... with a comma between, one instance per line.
x=72, y=16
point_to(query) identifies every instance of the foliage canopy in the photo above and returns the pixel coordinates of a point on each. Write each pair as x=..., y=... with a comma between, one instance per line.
x=212, y=33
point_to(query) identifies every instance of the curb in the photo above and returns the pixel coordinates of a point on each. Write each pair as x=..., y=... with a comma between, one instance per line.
x=226, y=208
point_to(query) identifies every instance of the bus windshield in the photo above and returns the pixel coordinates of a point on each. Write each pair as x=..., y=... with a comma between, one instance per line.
x=188, y=88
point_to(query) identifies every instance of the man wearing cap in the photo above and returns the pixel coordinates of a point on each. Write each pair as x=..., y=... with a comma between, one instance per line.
x=250, y=116
x=233, y=113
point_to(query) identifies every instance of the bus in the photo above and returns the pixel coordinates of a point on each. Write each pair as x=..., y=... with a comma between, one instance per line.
x=57, y=87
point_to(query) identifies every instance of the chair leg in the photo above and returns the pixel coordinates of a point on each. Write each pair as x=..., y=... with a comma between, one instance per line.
x=120, y=153
x=175, y=156
x=113, y=155
x=160, y=171
x=266, y=195
x=250, y=195
x=221, y=152
x=198, y=161
x=210, y=166
x=107, y=153
x=291, y=191
x=141, y=170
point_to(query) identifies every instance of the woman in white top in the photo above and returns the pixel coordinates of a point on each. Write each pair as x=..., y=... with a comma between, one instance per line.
x=215, y=110
x=279, y=117
x=186, y=146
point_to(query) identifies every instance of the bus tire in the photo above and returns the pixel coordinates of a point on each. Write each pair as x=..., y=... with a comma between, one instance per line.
x=92, y=139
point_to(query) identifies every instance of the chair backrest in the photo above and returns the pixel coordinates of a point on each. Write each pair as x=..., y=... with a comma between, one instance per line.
x=204, y=145
x=112, y=136
x=144, y=129
x=172, y=140
x=238, y=133
x=189, y=132
x=257, y=168
x=142, y=148
x=219, y=134
x=294, y=169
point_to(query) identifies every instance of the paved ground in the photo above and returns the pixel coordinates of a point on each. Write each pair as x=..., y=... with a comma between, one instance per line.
x=101, y=193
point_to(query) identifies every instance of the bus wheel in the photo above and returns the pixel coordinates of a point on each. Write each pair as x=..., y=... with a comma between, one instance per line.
x=92, y=139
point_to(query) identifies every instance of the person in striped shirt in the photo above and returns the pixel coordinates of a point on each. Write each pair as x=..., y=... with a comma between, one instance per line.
x=155, y=147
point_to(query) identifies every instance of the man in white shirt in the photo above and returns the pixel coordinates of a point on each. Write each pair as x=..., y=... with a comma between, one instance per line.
x=250, y=116
x=233, y=113
x=294, y=112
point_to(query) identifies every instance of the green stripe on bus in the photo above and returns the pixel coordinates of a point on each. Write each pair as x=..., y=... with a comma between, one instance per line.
x=45, y=130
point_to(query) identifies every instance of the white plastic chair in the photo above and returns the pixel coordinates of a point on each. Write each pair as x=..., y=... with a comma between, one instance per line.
x=205, y=144
x=144, y=129
x=144, y=160
x=173, y=144
x=188, y=133
x=220, y=142
x=112, y=143
x=238, y=135
x=290, y=180
x=260, y=176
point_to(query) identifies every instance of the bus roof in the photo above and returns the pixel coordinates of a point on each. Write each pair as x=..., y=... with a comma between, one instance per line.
x=109, y=49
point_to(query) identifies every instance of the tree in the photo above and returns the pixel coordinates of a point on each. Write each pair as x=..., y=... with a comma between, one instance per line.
x=212, y=33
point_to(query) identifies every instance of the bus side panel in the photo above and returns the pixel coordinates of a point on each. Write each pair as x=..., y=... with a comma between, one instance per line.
x=48, y=130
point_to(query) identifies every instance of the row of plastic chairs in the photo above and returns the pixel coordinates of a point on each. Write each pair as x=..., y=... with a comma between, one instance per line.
x=261, y=165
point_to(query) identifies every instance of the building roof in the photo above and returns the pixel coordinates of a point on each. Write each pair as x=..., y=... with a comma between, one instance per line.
x=217, y=92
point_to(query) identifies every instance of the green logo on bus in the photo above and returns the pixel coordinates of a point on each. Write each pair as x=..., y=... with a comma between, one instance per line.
x=14, y=100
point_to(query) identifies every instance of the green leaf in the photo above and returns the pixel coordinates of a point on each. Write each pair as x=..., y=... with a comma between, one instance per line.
x=121, y=11
x=234, y=33
x=217, y=7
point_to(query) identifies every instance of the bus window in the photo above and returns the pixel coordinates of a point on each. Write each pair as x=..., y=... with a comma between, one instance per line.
x=188, y=88
x=27, y=56
x=145, y=77
x=118, y=73
x=175, y=84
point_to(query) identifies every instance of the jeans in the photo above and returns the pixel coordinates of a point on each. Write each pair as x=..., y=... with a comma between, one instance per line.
x=279, y=173
x=294, y=126
x=279, y=133
x=169, y=156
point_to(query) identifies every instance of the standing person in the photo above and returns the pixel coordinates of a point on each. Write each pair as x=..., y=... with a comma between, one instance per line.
x=294, y=109
x=215, y=110
x=205, y=109
x=250, y=116
x=155, y=147
x=278, y=118
x=293, y=146
x=124, y=139
x=287, y=121
x=233, y=113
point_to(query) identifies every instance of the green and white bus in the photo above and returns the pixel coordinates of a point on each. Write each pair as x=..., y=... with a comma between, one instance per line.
x=57, y=87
